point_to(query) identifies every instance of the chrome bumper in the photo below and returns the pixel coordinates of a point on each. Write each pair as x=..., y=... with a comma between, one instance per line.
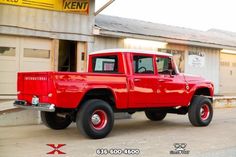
x=40, y=107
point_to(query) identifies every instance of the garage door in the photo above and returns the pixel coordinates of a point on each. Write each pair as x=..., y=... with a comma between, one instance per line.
x=35, y=54
x=9, y=64
x=21, y=54
x=227, y=73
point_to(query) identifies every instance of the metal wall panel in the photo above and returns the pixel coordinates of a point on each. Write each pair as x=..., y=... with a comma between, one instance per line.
x=107, y=43
x=210, y=69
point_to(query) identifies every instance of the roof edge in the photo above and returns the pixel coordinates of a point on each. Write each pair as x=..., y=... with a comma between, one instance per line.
x=120, y=34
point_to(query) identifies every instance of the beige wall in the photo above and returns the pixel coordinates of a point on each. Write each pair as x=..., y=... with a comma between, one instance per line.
x=177, y=47
x=227, y=73
x=101, y=43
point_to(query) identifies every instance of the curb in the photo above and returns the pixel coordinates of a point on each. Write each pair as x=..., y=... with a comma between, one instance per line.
x=224, y=102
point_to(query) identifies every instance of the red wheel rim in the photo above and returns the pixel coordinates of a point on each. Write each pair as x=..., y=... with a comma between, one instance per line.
x=98, y=119
x=205, y=112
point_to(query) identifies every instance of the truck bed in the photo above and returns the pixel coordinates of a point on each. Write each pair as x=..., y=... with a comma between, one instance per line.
x=66, y=89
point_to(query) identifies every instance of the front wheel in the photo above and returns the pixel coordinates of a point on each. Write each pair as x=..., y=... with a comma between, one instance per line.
x=95, y=119
x=51, y=120
x=154, y=115
x=200, y=111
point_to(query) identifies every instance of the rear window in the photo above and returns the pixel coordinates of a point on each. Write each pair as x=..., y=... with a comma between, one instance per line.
x=105, y=64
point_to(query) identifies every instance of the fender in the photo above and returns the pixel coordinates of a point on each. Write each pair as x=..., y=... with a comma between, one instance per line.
x=94, y=87
x=199, y=86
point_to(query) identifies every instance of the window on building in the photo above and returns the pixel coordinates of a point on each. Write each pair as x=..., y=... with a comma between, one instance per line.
x=143, y=65
x=7, y=51
x=105, y=64
x=36, y=53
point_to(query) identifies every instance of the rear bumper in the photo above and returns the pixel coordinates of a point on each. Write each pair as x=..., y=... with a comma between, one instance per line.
x=40, y=107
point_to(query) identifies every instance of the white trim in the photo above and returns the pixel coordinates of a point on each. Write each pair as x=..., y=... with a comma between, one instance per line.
x=130, y=51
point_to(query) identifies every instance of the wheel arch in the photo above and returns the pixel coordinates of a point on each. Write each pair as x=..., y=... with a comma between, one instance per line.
x=104, y=93
x=203, y=91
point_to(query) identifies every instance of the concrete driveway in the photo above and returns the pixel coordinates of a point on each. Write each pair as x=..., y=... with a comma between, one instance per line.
x=146, y=137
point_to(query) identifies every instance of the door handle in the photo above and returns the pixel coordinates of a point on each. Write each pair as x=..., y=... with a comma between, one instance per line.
x=137, y=80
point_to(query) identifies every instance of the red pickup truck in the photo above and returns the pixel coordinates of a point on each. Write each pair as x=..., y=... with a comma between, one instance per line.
x=117, y=80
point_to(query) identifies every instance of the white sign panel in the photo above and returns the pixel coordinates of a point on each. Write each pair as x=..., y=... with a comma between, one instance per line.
x=196, y=59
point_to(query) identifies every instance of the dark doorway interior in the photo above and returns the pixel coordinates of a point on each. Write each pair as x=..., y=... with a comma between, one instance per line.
x=67, y=56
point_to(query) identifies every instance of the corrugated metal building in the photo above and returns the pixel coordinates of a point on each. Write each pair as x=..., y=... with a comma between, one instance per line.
x=49, y=37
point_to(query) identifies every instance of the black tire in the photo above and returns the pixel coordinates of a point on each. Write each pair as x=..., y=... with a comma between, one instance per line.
x=51, y=120
x=155, y=115
x=99, y=109
x=200, y=111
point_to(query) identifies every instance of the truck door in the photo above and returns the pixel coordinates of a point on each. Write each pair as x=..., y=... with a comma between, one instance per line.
x=143, y=81
x=171, y=87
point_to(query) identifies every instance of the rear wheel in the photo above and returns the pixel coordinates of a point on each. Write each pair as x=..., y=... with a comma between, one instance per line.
x=95, y=119
x=154, y=115
x=200, y=111
x=51, y=120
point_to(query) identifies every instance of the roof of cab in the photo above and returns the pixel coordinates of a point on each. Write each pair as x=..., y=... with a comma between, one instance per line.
x=130, y=51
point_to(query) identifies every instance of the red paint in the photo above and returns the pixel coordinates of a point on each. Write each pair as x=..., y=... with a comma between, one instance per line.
x=130, y=90
x=205, y=112
x=102, y=122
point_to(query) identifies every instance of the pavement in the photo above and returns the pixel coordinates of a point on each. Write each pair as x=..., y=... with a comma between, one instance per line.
x=137, y=135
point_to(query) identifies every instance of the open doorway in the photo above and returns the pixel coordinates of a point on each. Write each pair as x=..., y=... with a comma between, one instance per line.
x=67, y=56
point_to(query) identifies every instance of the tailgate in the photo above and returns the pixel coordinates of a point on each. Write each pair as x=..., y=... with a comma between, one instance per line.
x=33, y=83
x=33, y=89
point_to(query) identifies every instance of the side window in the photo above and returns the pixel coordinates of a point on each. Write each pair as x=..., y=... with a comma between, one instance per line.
x=143, y=65
x=105, y=64
x=164, y=65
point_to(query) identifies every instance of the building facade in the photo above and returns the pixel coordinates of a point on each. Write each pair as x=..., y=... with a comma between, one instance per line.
x=59, y=36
